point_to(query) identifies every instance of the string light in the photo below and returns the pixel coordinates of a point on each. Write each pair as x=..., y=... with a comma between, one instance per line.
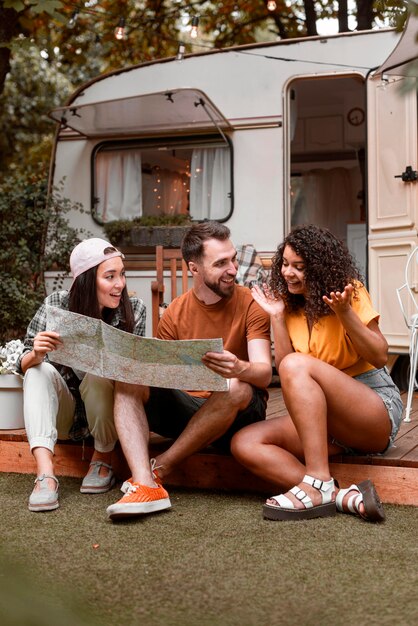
x=120, y=30
x=73, y=19
x=89, y=8
x=194, y=27
x=180, y=52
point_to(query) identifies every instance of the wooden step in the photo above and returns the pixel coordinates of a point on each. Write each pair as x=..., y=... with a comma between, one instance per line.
x=395, y=474
x=211, y=470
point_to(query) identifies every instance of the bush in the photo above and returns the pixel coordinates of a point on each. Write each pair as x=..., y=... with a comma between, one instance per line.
x=35, y=236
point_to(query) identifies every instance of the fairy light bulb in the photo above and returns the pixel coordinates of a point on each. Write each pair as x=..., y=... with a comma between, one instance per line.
x=271, y=5
x=120, y=30
x=72, y=20
x=194, y=27
x=180, y=52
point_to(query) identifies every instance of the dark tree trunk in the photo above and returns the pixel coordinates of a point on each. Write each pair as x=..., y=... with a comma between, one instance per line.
x=364, y=14
x=8, y=28
x=310, y=18
x=343, y=16
x=283, y=33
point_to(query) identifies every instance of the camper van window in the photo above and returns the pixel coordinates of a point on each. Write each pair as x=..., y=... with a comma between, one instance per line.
x=133, y=180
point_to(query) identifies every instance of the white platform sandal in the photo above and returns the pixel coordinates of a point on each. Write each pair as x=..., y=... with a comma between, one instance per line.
x=285, y=509
x=365, y=493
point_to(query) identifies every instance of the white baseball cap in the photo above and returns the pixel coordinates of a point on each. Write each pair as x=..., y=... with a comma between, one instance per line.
x=89, y=253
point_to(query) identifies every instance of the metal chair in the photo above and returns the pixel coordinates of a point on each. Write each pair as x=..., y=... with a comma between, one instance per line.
x=409, y=308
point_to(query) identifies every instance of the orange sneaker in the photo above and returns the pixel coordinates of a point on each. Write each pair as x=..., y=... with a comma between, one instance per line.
x=139, y=499
x=125, y=485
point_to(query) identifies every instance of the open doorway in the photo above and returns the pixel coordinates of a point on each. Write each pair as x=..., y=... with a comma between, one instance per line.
x=327, y=157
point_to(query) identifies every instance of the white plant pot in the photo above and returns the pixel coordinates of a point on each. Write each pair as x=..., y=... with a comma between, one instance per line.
x=11, y=402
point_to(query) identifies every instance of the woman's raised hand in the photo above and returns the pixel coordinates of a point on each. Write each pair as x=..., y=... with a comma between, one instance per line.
x=265, y=298
x=339, y=301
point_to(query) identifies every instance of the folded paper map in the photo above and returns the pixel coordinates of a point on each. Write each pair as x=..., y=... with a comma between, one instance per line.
x=92, y=346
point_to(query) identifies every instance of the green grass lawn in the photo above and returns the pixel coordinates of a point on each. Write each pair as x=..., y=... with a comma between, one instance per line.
x=210, y=560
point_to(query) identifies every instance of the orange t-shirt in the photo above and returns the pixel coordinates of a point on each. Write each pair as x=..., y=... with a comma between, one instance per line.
x=236, y=320
x=329, y=340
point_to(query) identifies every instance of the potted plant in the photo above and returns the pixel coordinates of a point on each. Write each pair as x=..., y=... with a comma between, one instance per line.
x=11, y=386
x=148, y=231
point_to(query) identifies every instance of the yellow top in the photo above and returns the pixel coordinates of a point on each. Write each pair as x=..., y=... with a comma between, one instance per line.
x=328, y=340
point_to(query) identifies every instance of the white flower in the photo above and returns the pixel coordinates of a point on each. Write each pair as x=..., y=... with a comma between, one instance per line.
x=9, y=354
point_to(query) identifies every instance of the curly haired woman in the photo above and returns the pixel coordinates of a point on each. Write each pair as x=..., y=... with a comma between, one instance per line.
x=331, y=356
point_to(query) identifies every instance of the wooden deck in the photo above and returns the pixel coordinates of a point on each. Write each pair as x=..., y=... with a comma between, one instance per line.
x=395, y=474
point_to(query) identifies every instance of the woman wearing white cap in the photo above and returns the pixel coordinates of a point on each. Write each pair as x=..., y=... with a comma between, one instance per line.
x=60, y=402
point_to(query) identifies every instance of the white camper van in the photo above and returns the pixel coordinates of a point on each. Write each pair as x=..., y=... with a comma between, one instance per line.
x=261, y=137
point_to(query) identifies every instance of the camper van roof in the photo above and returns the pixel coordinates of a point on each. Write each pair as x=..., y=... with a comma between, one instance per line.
x=282, y=43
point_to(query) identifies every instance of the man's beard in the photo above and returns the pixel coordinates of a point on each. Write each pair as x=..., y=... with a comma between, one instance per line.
x=222, y=292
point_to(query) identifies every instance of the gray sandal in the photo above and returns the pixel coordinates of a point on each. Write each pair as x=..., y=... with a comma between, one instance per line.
x=94, y=483
x=44, y=498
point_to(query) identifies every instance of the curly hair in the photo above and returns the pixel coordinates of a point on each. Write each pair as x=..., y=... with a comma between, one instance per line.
x=329, y=266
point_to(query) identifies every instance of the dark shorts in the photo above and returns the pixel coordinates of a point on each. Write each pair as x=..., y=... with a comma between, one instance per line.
x=170, y=410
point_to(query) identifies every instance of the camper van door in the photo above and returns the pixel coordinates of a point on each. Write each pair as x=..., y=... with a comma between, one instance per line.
x=392, y=152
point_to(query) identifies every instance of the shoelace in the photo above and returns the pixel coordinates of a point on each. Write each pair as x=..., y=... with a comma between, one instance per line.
x=154, y=468
x=131, y=488
x=126, y=485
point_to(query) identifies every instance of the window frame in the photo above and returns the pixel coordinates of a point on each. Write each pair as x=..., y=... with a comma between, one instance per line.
x=184, y=141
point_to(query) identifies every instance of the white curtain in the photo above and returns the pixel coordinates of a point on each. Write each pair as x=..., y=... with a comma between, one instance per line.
x=326, y=198
x=118, y=184
x=209, y=183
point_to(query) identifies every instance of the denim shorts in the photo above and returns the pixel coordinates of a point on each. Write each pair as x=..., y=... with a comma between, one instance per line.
x=381, y=382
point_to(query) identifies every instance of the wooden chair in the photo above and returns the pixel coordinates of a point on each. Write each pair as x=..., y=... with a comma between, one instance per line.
x=172, y=260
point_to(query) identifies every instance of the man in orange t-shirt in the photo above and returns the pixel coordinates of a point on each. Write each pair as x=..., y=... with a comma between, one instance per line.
x=215, y=306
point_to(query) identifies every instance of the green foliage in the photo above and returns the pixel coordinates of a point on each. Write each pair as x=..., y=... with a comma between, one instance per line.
x=33, y=87
x=17, y=5
x=154, y=28
x=394, y=10
x=47, y=6
x=118, y=230
x=37, y=6
x=35, y=236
